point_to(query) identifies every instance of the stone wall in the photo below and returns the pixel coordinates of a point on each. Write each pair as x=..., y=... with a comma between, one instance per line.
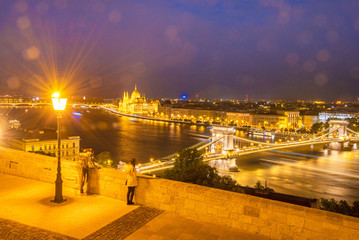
x=274, y=219
x=38, y=167
x=266, y=217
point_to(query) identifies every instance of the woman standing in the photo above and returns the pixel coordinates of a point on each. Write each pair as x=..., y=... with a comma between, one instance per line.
x=131, y=180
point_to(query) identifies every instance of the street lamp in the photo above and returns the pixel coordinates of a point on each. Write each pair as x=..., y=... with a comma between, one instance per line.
x=59, y=106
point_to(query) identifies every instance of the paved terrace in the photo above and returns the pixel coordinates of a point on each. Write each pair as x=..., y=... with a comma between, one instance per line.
x=26, y=212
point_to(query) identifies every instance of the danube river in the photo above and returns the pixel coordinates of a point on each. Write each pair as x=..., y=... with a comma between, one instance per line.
x=309, y=172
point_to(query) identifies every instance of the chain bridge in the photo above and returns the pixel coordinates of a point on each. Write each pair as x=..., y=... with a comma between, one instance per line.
x=223, y=147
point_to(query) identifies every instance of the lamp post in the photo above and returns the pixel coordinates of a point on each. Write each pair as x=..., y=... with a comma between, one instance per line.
x=59, y=106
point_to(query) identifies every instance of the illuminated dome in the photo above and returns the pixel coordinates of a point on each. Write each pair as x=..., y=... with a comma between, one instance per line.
x=135, y=94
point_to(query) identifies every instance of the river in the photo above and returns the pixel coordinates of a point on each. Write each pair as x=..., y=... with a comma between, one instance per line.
x=305, y=171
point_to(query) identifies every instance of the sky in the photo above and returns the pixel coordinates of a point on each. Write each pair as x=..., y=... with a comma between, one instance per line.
x=268, y=49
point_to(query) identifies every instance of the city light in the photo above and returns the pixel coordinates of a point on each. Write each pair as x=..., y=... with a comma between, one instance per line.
x=268, y=148
x=59, y=105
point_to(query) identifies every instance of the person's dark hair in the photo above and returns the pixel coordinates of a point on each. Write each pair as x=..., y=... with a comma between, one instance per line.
x=133, y=161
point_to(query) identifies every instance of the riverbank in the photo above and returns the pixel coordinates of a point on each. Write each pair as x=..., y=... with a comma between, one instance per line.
x=153, y=118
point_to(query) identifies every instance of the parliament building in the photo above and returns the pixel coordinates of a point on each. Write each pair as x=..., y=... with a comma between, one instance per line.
x=137, y=104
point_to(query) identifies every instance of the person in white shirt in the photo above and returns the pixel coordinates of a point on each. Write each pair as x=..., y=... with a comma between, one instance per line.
x=131, y=180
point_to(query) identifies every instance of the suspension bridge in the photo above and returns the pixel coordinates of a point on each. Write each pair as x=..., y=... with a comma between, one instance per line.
x=223, y=147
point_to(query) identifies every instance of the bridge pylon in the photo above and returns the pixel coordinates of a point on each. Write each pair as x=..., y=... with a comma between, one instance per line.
x=339, y=126
x=225, y=132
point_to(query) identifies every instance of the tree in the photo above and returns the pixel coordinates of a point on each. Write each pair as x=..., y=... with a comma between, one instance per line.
x=259, y=187
x=188, y=167
x=342, y=207
x=302, y=130
x=316, y=127
x=105, y=159
x=353, y=124
x=356, y=209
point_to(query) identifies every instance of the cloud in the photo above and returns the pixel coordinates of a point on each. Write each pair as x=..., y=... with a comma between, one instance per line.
x=183, y=56
x=320, y=79
x=172, y=35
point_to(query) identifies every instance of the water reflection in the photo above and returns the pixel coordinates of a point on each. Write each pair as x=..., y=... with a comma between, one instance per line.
x=122, y=136
x=332, y=176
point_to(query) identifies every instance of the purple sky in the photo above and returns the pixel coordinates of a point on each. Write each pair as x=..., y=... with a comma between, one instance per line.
x=218, y=49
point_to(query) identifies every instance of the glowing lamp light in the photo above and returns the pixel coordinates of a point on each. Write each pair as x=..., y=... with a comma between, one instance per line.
x=58, y=103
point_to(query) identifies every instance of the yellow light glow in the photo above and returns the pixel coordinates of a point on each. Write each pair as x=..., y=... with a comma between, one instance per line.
x=58, y=103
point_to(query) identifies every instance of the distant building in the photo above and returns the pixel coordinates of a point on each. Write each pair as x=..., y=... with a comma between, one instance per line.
x=240, y=119
x=309, y=120
x=137, y=104
x=10, y=99
x=324, y=116
x=269, y=121
x=282, y=120
x=69, y=150
x=204, y=115
x=293, y=119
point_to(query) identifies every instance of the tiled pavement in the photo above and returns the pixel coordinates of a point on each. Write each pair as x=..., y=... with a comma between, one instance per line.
x=143, y=223
x=33, y=216
x=28, y=202
x=11, y=230
x=126, y=225
x=116, y=230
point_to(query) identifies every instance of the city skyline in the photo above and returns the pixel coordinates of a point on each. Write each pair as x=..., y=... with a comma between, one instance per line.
x=267, y=49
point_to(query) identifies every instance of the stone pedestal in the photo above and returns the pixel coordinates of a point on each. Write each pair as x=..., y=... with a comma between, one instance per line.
x=224, y=164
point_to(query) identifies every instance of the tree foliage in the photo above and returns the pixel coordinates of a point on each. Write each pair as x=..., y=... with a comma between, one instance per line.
x=318, y=127
x=341, y=206
x=260, y=187
x=353, y=124
x=189, y=168
x=104, y=159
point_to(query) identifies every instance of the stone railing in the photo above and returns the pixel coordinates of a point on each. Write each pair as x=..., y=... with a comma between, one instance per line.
x=265, y=217
x=38, y=167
